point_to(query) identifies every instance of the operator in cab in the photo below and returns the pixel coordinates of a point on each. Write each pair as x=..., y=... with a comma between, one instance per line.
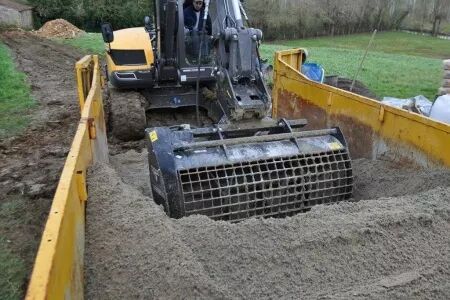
x=193, y=24
x=193, y=17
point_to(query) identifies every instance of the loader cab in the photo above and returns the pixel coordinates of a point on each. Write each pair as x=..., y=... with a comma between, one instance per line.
x=190, y=45
x=198, y=46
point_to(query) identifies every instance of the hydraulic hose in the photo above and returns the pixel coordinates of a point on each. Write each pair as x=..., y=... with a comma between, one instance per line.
x=202, y=38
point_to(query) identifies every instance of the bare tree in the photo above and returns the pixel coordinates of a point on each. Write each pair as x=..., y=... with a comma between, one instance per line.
x=440, y=12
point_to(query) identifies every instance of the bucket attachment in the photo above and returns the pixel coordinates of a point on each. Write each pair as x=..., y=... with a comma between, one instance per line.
x=234, y=172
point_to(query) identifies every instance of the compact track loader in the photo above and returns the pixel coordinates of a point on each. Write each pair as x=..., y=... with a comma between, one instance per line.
x=247, y=164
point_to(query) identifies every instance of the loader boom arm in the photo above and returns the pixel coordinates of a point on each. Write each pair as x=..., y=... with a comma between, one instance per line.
x=241, y=91
x=241, y=88
x=247, y=164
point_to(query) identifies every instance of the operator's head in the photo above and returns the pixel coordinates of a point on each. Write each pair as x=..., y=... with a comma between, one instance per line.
x=198, y=5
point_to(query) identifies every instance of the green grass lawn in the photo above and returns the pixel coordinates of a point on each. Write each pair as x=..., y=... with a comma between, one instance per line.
x=398, y=65
x=90, y=43
x=385, y=74
x=15, y=96
x=386, y=42
x=18, y=246
x=14, y=271
x=12, y=274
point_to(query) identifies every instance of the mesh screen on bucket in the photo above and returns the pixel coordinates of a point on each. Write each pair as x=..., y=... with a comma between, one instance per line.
x=268, y=187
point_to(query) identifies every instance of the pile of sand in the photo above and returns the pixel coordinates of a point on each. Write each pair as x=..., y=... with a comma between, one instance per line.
x=59, y=28
x=395, y=244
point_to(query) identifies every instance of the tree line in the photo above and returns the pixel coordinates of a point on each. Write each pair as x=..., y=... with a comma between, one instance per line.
x=287, y=19
x=89, y=14
x=426, y=15
x=279, y=19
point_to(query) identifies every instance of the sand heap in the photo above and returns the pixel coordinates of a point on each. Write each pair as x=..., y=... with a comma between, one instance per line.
x=393, y=244
x=59, y=28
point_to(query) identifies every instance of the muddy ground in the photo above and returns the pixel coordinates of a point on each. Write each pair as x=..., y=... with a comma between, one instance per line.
x=394, y=243
x=30, y=164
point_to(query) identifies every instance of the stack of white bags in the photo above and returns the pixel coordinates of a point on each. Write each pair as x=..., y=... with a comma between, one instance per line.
x=445, y=89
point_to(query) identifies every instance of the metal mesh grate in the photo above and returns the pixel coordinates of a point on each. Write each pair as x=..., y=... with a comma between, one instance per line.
x=268, y=187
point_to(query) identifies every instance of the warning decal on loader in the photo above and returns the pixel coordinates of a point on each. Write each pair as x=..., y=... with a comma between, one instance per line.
x=335, y=146
x=153, y=136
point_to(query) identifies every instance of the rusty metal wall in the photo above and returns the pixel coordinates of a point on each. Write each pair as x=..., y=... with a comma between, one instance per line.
x=372, y=129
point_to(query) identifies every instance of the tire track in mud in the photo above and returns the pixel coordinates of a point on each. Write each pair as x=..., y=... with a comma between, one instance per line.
x=38, y=154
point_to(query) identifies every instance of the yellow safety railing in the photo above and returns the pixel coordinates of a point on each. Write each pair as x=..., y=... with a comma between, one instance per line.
x=58, y=269
x=371, y=128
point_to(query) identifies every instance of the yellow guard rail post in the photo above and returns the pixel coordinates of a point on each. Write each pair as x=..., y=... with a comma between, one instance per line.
x=58, y=269
x=371, y=128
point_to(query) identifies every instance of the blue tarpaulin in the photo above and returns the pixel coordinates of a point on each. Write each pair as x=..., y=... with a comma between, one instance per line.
x=313, y=71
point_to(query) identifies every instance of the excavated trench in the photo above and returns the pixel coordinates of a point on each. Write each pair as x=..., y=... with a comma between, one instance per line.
x=394, y=246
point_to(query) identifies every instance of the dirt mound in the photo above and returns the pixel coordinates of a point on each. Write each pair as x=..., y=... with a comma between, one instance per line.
x=388, y=247
x=346, y=83
x=59, y=28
